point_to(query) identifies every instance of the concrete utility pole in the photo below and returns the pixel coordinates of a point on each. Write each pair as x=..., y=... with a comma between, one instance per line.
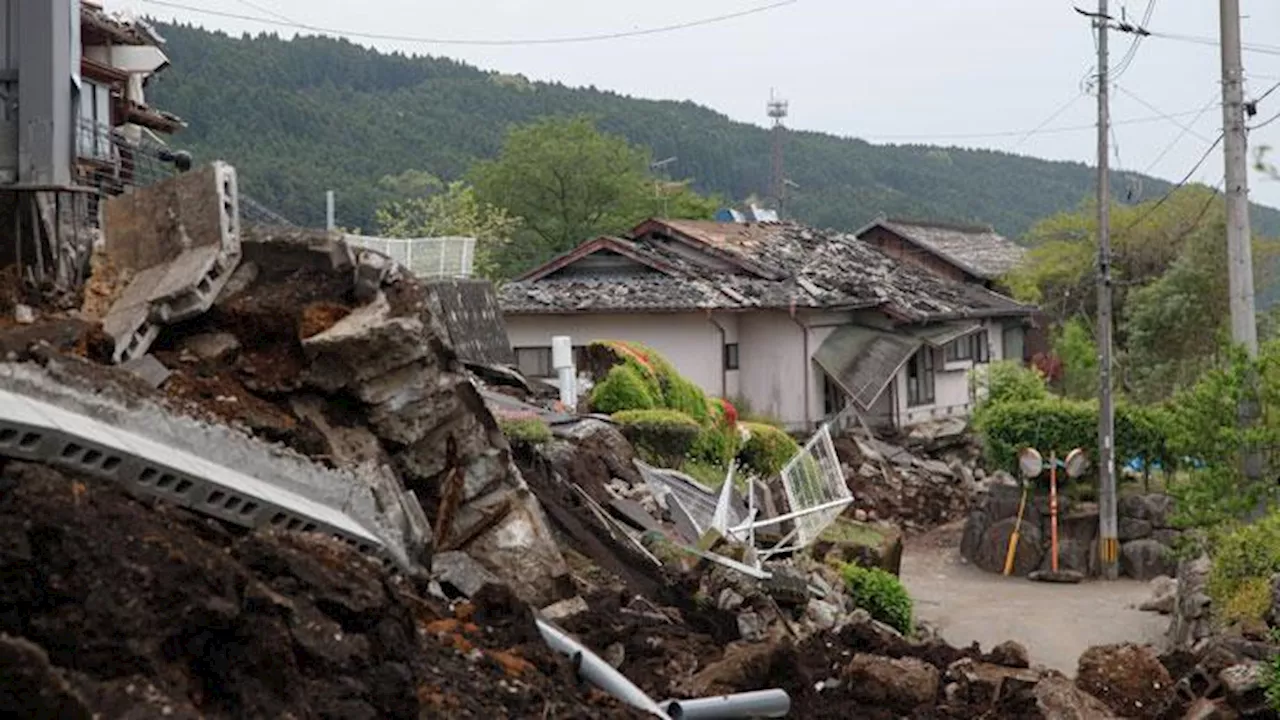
x=1244, y=324
x=329, y=223
x=1108, y=534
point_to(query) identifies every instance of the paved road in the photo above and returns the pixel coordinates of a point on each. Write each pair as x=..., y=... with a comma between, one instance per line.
x=1055, y=622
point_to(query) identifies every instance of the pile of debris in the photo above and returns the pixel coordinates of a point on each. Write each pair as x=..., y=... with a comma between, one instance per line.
x=919, y=485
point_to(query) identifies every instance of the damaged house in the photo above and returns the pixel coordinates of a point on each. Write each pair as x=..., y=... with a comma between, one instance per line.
x=75, y=126
x=795, y=322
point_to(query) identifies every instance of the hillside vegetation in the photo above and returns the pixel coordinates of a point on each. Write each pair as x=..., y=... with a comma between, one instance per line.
x=302, y=116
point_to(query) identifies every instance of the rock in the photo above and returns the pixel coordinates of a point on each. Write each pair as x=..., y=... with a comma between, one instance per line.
x=1155, y=508
x=1164, y=594
x=974, y=529
x=211, y=346
x=1146, y=559
x=565, y=608
x=1002, y=502
x=867, y=470
x=24, y=314
x=1133, y=529
x=729, y=600
x=1244, y=687
x=740, y=665
x=460, y=571
x=938, y=469
x=984, y=684
x=1166, y=537
x=1057, y=699
x=1133, y=506
x=1009, y=654
x=752, y=627
x=1129, y=678
x=615, y=655
x=823, y=614
x=860, y=515
x=1206, y=709
x=901, y=684
x=995, y=545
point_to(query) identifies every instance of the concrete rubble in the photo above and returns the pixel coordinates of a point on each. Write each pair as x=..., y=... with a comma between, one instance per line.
x=325, y=372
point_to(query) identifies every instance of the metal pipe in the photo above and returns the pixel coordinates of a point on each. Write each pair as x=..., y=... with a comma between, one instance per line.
x=761, y=703
x=596, y=671
x=804, y=331
x=724, y=367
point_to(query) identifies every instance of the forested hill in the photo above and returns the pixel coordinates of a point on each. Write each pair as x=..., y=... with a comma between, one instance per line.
x=301, y=116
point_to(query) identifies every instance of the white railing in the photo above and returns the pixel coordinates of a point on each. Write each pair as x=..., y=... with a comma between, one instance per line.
x=425, y=257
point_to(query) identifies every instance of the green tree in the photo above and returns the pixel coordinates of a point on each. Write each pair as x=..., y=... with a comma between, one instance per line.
x=456, y=211
x=571, y=182
x=1079, y=353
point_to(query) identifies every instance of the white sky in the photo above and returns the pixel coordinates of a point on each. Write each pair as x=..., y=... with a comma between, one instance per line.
x=899, y=71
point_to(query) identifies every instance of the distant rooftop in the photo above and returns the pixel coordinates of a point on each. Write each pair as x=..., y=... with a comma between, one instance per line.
x=977, y=249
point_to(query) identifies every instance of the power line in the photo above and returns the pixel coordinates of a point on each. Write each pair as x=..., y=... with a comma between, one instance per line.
x=465, y=41
x=1033, y=131
x=268, y=11
x=1127, y=60
x=1266, y=122
x=1213, y=102
x=1053, y=116
x=1199, y=40
x=1176, y=187
x=1153, y=108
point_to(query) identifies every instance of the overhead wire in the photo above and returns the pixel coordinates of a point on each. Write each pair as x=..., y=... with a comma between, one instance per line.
x=1177, y=186
x=1053, y=116
x=568, y=39
x=1042, y=131
x=266, y=10
x=1166, y=116
x=1213, y=102
x=1132, y=52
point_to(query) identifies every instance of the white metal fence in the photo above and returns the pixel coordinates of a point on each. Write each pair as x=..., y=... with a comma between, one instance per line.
x=425, y=257
x=815, y=486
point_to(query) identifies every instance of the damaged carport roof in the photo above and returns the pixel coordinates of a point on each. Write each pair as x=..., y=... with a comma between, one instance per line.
x=863, y=360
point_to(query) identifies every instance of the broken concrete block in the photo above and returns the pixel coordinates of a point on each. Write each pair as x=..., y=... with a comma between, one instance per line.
x=556, y=612
x=23, y=314
x=461, y=572
x=522, y=552
x=149, y=369
x=364, y=345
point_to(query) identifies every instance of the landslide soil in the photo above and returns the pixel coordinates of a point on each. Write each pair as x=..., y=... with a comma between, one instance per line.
x=113, y=607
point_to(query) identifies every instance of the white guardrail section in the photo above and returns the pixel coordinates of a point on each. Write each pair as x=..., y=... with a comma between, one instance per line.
x=40, y=432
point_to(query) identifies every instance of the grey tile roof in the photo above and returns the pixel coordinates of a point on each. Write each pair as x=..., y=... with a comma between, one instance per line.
x=738, y=266
x=980, y=251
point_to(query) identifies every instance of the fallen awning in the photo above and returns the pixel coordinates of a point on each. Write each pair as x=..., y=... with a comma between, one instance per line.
x=943, y=333
x=863, y=361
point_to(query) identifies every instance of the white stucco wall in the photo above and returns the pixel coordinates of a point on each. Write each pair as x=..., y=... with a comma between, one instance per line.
x=776, y=373
x=690, y=341
x=951, y=385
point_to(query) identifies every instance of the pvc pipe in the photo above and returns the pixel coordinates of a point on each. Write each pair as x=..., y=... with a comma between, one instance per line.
x=596, y=671
x=761, y=703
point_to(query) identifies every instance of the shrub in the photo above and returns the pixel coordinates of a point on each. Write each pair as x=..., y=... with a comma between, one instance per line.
x=715, y=445
x=622, y=389
x=662, y=436
x=881, y=594
x=1243, y=562
x=767, y=449
x=533, y=431
x=1009, y=381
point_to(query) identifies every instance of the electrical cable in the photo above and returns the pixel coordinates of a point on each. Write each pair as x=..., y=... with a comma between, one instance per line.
x=267, y=11
x=1042, y=131
x=1199, y=40
x=1127, y=60
x=1213, y=102
x=1176, y=187
x=1153, y=108
x=1054, y=116
x=463, y=41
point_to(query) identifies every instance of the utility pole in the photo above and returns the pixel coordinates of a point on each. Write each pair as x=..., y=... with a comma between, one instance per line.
x=1244, y=326
x=329, y=223
x=1108, y=534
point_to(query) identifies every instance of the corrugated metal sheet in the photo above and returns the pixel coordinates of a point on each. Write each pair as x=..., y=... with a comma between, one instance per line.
x=469, y=310
x=863, y=361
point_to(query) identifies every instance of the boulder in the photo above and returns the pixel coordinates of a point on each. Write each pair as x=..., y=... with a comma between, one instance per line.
x=986, y=684
x=1057, y=699
x=1164, y=595
x=211, y=346
x=901, y=684
x=1155, y=508
x=974, y=528
x=1166, y=537
x=1129, y=678
x=1146, y=559
x=995, y=545
x=1133, y=529
x=1009, y=654
x=1244, y=685
x=1002, y=502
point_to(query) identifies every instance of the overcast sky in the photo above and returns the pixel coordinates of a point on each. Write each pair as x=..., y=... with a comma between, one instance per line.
x=903, y=71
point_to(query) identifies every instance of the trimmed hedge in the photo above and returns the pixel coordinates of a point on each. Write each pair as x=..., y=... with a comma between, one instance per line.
x=666, y=387
x=767, y=449
x=622, y=389
x=533, y=431
x=663, y=436
x=1054, y=423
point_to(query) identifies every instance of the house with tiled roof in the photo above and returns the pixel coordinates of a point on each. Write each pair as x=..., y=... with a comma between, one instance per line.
x=797, y=322
x=971, y=253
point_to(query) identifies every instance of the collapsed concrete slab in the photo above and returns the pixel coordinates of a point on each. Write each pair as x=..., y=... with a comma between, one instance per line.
x=179, y=241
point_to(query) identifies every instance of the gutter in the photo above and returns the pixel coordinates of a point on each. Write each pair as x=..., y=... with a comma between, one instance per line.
x=724, y=371
x=808, y=362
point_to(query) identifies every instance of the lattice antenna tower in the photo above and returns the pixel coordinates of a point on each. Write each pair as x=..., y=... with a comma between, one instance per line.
x=778, y=112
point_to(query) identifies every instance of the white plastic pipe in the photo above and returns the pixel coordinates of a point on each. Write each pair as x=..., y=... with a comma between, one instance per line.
x=761, y=703
x=562, y=362
x=596, y=671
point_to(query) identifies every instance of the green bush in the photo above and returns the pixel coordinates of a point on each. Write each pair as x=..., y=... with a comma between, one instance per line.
x=1271, y=680
x=715, y=445
x=622, y=389
x=1054, y=423
x=767, y=449
x=881, y=594
x=533, y=431
x=662, y=436
x=1009, y=381
x=1243, y=562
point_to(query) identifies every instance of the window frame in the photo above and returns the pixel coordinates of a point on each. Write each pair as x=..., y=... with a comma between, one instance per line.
x=543, y=354
x=732, y=356
x=922, y=379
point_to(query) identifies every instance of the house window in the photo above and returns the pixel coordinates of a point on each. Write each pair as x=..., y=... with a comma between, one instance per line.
x=534, y=362
x=731, y=356
x=94, y=136
x=920, y=378
x=833, y=398
x=970, y=347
